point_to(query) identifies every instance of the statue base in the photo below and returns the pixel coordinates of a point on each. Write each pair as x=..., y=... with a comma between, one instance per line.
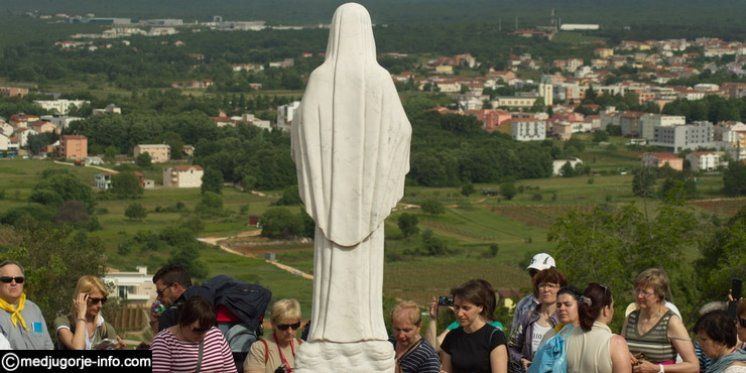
x=364, y=356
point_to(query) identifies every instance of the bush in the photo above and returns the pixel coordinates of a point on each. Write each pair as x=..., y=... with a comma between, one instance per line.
x=279, y=222
x=537, y=197
x=135, y=211
x=508, y=190
x=432, y=207
x=408, y=224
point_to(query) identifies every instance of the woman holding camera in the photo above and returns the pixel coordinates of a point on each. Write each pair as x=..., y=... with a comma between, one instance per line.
x=84, y=328
x=194, y=344
x=475, y=346
x=533, y=325
x=277, y=354
x=655, y=331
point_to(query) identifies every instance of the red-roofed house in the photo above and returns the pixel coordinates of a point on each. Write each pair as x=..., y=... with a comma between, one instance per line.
x=41, y=126
x=490, y=118
x=187, y=176
x=658, y=160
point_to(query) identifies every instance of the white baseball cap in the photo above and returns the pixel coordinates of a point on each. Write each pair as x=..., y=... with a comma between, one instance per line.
x=541, y=261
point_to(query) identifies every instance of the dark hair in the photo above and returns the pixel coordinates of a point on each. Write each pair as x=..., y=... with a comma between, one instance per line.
x=595, y=298
x=480, y=293
x=718, y=326
x=548, y=275
x=173, y=274
x=194, y=309
x=572, y=290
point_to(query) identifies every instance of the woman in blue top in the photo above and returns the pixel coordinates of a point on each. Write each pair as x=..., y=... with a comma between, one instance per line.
x=475, y=346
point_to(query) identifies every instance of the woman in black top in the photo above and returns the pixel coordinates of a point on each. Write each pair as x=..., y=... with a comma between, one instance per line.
x=475, y=346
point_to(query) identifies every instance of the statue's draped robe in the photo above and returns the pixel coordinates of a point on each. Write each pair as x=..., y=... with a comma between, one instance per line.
x=350, y=143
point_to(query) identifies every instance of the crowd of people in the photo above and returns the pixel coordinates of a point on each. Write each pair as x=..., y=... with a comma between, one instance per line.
x=556, y=328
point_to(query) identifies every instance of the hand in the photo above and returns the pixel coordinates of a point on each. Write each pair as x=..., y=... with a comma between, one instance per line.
x=632, y=359
x=120, y=344
x=81, y=305
x=526, y=363
x=154, y=322
x=645, y=366
x=434, y=309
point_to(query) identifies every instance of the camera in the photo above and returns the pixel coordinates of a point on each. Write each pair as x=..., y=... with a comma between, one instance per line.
x=445, y=300
x=281, y=369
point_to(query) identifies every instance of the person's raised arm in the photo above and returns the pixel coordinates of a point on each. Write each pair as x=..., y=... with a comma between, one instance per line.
x=75, y=341
x=432, y=327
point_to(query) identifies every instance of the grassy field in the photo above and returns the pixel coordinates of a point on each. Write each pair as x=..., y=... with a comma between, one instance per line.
x=468, y=227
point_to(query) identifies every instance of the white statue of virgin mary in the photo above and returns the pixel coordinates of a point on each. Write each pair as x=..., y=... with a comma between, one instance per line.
x=350, y=143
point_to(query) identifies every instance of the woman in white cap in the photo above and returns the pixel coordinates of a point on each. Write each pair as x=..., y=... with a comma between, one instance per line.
x=539, y=262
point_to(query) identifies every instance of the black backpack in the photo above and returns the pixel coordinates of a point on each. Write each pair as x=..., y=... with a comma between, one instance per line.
x=247, y=302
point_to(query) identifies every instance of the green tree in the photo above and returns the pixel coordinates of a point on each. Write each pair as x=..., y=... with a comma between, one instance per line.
x=643, y=181
x=135, y=211
x=110, y=154
x=467, y=189
x=567, y=170
x=210, y=204
x=734, y=179
x=290, y=196
x=508, y=190
x=144, y=160
x=53, y=258
x=408, y=224
x=432, y=207
x=723, y=257
x=57, y=186
x=126, y=185
x=433, y=245
x=279, y=222
x=212, y=180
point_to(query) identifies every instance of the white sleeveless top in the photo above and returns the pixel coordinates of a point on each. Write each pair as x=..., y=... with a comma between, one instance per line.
x=588, y=352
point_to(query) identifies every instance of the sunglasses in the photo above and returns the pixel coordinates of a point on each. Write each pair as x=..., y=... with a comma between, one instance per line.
x=742, y=322
x=9, y=279
x=284, y=327
x=97, y=300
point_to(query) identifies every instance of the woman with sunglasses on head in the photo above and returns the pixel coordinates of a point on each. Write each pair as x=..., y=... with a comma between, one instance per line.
x=655, y=331
x=84, y=328
x=277, y=353
x=194, y=344
x=593, y=348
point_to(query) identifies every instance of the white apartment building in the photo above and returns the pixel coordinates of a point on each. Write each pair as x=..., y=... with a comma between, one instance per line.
x=704, y=161
x=650, y=121
x=103, y=181
x=61, y=106
x=133, y=287
x=689, y=136
x=530, y=130
x=546, y=90
x=513, y=102
x=159, y=153
x=734, y=141
x=285, y=115
x=183, y=176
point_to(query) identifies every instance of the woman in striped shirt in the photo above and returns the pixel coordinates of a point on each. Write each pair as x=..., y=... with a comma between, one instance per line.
x=655, y=331
x=194, y=344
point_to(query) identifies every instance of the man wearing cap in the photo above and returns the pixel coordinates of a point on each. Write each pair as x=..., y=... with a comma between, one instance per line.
x=538, y=263
x=21, y=320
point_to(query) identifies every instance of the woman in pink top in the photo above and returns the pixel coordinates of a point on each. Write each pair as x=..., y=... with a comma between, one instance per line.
x=194, y=344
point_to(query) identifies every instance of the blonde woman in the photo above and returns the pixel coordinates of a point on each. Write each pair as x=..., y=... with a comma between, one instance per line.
x=84, y=328
x=277, y=353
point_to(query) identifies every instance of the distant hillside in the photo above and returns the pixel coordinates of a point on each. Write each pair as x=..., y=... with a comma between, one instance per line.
x=611, y=13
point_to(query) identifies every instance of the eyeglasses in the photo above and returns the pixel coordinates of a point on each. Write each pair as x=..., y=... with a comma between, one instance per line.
x=97, y=300
x=284, y=327
x=9, y=279
x=161, y=291
x=548, y=285
x=742, y=321
x=644, y=293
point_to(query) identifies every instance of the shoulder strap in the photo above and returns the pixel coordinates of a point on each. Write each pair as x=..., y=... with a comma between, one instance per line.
x=199, y=355
x=266, y=350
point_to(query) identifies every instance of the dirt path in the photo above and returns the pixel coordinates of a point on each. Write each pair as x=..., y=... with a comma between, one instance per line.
x=216, y=242
x=91, y=166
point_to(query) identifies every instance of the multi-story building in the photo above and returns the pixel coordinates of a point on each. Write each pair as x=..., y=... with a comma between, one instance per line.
x=734, y=141
x=513, y=102
x=704, y=161
x=61, y=106
x=285, y=115
x=133, y=287
x=658, y=160
x=630, y=123
x=183, y=176
x=103, y=181
x=690, y=136
x=529, y=130
x=159, y=153
x=546, y=90
x=13, y=91
x=649, y=122
x=74, y=147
